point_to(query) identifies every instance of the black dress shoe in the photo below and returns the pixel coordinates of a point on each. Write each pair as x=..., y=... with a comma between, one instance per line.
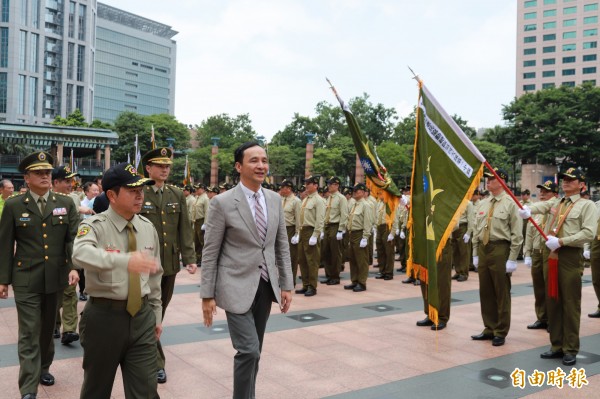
x=301, y=291
x=379, y=276
x=333, y=282
x=409, y=280
x=482, y=337
x=552, y=355
x=350, y=286
x=29, y=396
x=47, y=379
x=417, y=282
x=456, y=276
x=460, y=279
x=82, y=297
x=595, y=315
x=310, y=292
x=569, y=360
x=359, y=288
x=440, y=326
x=56, y=333
x=324, y=281
x=538, y=325
x=498, y=341
x=68, y=337
x=426, y=322
x=388, y=277
x=161, y=376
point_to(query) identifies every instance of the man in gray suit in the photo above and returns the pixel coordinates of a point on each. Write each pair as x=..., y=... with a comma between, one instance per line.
x=246, y=263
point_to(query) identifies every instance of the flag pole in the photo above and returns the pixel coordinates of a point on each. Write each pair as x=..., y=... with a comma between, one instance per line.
x=509, y=192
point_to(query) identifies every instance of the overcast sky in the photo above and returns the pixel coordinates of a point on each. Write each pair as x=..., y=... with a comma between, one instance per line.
x=269, y=58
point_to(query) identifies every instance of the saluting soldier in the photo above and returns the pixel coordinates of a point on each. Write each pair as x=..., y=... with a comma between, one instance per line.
x=385, y=241
x=497, y=238
x=312, y=216
x=122, y=321
x=359, y=227
x=291, y=210
x=165, y=206
x=460, y=244
x=533, y=251
x=43, y=225
x=336, y=217
x=570, y=226
x=199, y=214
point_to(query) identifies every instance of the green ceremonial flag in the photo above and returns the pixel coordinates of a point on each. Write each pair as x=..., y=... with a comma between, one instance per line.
x=378, y=179
x=447, y=167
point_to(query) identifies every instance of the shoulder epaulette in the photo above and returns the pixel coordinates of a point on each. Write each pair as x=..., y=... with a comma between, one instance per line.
x=56, y=193
x=16, y=195
x=144, y=219
x=174, y=186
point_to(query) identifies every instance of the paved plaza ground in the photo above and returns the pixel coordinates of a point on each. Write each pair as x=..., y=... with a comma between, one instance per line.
x=345, y=345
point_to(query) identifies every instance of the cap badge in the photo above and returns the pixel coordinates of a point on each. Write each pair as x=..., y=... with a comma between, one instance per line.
x=163, y=152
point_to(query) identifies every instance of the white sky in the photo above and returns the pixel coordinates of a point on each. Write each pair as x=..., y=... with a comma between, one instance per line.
x=269, y=58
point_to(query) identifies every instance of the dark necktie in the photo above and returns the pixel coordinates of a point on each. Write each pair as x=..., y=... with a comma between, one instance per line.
x=42, y=205
x=261, y=226
x=134, y=293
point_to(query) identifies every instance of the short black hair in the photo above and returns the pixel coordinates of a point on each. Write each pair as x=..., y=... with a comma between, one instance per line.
x=88, y=185
x=238, y=154
x=2, y=182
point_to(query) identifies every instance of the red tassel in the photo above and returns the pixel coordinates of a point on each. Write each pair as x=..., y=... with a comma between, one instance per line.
x=553, y=275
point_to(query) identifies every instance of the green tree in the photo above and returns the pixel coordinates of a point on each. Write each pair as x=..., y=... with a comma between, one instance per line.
x=167, y=126
x=404, y=131
x=397, y=159
x=231, y=131
x=127, y=125
x=75, y=118
x=464, y=125
x=286, y=161
x=294, y=134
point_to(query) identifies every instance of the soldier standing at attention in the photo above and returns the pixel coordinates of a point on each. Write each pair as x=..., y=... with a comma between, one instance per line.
x=189, y=201
x=336, y=217
x=594, y=254
x=460, y=244
x=312, y=216
x=569, y=228
x=385, y=242
x=497, y=238
x=372, y=202
x=199, y=213
x=42, y=224
x=360, y=224
x=291, y=210
x=122, y=321
x=165, y=206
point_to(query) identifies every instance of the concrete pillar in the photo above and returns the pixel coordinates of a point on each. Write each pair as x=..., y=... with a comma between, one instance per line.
x=106, y=157
x=359, y=173
x=60, y=147
x=99, y=156
x=214, y=162
x=309, y=154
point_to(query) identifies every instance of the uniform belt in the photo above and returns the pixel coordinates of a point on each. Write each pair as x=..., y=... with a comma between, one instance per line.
x=537, y=251
x=113, y=303
x=355, y=231
x=333, y=224
x=498, y=242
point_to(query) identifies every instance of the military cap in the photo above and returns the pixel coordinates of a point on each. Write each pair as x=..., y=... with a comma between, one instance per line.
x=584, y=192
x=264, y=185
x=347, y=190
x=312, y=179
x=123, y=175
x=214, y=189
x=500, y=172
x=360, y=186
x=160, y=156
x=334, y=179
x=301, y=188
x=63, y=172
x=548, y=185
x=573, y=173
x=287, y=183
x=476, y=191
x=37, y=161
x=188, y=187
x=406, y=188
x=526, y=192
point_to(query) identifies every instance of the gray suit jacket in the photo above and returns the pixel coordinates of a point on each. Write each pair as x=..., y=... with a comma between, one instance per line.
x=233, y=252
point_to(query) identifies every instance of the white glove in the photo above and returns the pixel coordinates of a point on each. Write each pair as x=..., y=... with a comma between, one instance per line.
x=528, y=261
x=203, y=227
x=552, y=243
x=402, y=235
x=475, y=261
x=295, y=239
x=312, y=241
x=511, y=266
x=397, y=232
x=466, y=238
x=525, y=213
x=586, y=254
x=339, y=235
x=363, y=243
x=322, y=235
x=404, y=200
x=390, y=237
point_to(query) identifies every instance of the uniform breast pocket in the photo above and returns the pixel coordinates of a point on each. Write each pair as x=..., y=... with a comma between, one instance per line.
x=310, y=205
x=115, y=276
x=22, y=270
x=574, y=213
x=173, y=208
x=148, y=209
x=58, y=221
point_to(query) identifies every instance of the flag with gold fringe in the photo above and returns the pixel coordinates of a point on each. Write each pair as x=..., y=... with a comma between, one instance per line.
x=187, y=173
x=378, y=180
x=153, y=139
x=447, y=167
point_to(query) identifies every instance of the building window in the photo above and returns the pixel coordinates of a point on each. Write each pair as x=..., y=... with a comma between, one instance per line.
x=79, y=98
x=568, y=84
x=72, y=6
x=590, y=7
x=82, y=11
x=131, y=84
x=130, y=95
x=529, y=75
x=131, y=73
x=569, y=47
x=5, y=15
x=568, y=60
x=3, y=92
x=33, y=53
x=22, y=49
x=80, y=63
x=529, y=51
x=568, y=72
x=548, y=61
x=548, y=85
x=529, y=63
x=569, y=22
x=569, y=10
x=590, y=20
x=70, y=60
x=590, y=57
x=548, y=74
x=549, y=37
x=3, y=47
x=529, y=39
x=589, y=70
x=35, y=13
x=549, y=49
x=587, y=45
x=530, y=27
x=530, y=3
x=550, y=25
x=21, y=96
x=590, y=32
x=569, y=35
x=528, y=87
x=547, y=2
x=550, y=13
x=32, y=96
x=69, y=99
x=24, y=12
x=530, y=15
x=592, y=82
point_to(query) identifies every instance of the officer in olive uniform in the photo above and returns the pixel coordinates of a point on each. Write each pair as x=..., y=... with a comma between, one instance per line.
x=43, y=225
x=372, y=202
x=122, y=321
x=199, y=213
x=165, y=206
x=460, y=244
x=291, y=210
x=533, y=251
x=595, y=264
x=312, y=217
x=336, y=217
x=385, y=241
x=359, y=227
x=570, y=226
x=497, y=238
